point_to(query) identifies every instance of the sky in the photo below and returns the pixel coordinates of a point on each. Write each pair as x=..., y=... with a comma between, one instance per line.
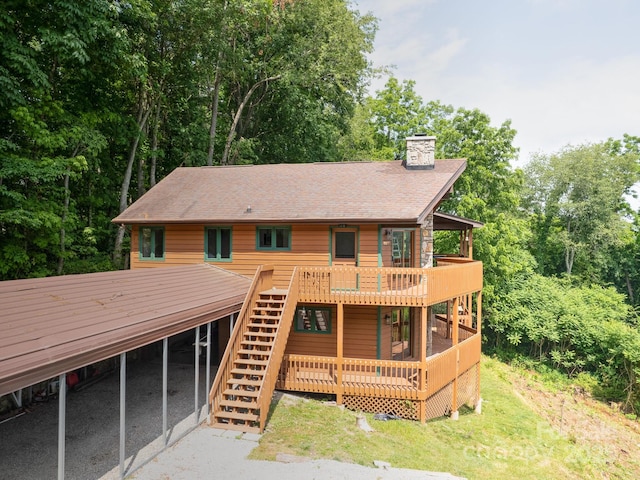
x=565, y=72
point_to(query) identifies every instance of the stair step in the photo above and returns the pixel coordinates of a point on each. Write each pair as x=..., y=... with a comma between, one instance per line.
x=251, y=405
x=251, y=361
x=274, y=291
x=265, y=327
x=247, y=351
x=247, y=371
x=256, y=343
x=269, y=303
x=247, y=417
x=258, y=316
x=245, y=382
x=260, y=334
x=232, y=392
x=275, y=307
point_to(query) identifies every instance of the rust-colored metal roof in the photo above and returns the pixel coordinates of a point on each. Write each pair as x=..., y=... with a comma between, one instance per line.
x=306, y=192
x=445, y=221
x=57, y=324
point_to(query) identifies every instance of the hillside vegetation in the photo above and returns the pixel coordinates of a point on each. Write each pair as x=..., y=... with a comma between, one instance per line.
x=527, y=430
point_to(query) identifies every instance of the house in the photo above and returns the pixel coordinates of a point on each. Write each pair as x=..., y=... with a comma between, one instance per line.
x=348, y=298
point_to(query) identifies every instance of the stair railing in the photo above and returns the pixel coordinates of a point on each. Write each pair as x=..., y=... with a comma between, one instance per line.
x=262, y=280
x=277, y=353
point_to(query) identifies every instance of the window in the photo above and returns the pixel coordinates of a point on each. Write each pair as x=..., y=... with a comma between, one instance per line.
x=217, y=244
x=313, y=320
x=273, y=238
x=151, y=243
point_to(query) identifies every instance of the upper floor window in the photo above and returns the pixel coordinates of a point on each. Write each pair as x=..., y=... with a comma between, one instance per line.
x=152, y=243
x=217, y=241
x=313, y=320
x=273, y=238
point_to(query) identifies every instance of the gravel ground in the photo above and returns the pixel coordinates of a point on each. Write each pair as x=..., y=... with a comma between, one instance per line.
x=29, y=443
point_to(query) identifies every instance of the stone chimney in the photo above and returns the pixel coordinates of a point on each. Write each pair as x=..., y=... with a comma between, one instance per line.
x=420, y=152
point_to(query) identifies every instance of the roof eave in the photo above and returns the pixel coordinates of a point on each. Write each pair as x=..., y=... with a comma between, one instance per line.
x=443, y=191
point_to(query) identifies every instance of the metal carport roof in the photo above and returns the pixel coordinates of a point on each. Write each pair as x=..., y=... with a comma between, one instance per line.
x=53, y=325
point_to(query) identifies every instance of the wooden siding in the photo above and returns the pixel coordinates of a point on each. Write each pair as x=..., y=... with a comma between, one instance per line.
x=360, y=331
x=386, y=352
x=315, y=344
x=184, y=244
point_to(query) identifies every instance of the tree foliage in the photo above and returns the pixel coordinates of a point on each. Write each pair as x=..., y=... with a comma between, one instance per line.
x=577, y=203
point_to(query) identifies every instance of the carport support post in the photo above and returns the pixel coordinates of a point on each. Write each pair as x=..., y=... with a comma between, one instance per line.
x=208, y=365
x=165, y=363
x=123, y=392
x=197, y=372
x=62, y=420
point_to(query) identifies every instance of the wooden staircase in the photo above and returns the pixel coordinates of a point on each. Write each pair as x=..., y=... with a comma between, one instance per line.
x=245, y=382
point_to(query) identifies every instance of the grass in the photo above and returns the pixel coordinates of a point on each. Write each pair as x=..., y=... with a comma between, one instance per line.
x=508, y=440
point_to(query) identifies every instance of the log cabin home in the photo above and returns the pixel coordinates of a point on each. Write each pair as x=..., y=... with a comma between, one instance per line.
x=348, y=299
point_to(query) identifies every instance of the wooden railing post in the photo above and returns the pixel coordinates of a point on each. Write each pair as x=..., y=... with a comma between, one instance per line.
x=425, y=345
x=340, y=353
x=454, y=344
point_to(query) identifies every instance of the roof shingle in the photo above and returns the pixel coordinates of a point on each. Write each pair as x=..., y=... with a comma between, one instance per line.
x=305, y=192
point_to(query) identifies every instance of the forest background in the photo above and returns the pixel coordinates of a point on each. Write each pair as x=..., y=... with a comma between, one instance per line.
x=101, y=99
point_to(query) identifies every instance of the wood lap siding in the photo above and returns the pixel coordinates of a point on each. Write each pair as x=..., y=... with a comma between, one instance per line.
x=315, y=344
x=184, y=244
x=360, y=331
x=368, y=253
x=360, y=335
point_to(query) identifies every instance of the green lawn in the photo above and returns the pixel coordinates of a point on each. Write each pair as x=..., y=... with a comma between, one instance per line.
x=508, y=440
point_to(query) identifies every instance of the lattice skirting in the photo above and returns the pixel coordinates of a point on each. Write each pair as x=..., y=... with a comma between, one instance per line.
x=407, y=409
x=437, y=405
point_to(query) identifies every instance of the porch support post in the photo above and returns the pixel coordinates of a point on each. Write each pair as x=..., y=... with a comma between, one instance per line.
x=430, y=318
x=196, y=375
x=208, y=369
x=424, y=346
x=165, y=388
x=454, y=344
x=340, y=351
x=123, y=409
x=62, y=421
x=470, y=243
x=478, y=405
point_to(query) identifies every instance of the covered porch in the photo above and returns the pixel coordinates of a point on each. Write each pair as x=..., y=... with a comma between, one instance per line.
x=431, y=372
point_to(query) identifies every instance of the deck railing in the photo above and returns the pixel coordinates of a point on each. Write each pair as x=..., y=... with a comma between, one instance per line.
x=388, y=285
x=378, y=378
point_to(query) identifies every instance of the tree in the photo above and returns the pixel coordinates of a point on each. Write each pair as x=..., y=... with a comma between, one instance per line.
x=577, y=201
x=46, y=134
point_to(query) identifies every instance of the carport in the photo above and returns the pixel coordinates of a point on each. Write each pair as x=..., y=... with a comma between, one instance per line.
x=53, y=326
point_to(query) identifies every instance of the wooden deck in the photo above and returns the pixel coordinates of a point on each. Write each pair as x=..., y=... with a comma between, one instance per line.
x=388, y=285
x=387, y=378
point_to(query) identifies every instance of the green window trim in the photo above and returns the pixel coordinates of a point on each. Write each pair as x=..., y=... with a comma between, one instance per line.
x=273, y=238
x=151, y=243
x=218, y=243
x=313, y=320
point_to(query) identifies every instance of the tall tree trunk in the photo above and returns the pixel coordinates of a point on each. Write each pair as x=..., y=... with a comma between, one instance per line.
x=143, y=117
x=154, y=146
x=236, y=117
x=63, y=221
x=629, y=288
x=214, y=114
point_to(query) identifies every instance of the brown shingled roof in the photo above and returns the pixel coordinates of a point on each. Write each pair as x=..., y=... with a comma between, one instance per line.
x=305, y=192
x=57, y=324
